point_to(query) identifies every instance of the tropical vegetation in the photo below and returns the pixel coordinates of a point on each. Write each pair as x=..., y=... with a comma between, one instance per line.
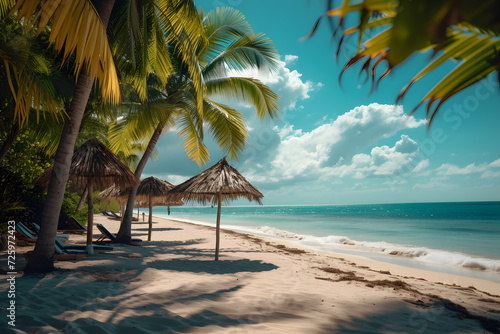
x=228, y=45
x=124, y=71
x=463, y=31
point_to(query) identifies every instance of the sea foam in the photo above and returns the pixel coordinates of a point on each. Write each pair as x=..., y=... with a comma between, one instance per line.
x=335, y=242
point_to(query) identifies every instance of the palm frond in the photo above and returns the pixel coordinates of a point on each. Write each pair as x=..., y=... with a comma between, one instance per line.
x=245, y=52
x=77, y=32
x=228, y=127
x=5, y=7
x=222, y=26
x=190, y=126
x=248, y=90
x=139, y=45
x=183, y=28
x=475, y=66
x=467, y=34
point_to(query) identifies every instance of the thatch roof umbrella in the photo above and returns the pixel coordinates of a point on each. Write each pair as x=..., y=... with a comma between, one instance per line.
x=151, y=191
x=95, y=166
x=219, y=182
x=114, y=192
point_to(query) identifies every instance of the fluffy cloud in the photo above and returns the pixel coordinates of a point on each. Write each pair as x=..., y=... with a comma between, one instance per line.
x=333, y=149
x=288, y=84
x=338, y=142
x=290, y=59
x=382, y=161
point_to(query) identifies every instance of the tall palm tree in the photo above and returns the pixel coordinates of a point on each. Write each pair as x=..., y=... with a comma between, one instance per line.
x=462, y=30
x=78, y=31
x=232, y=45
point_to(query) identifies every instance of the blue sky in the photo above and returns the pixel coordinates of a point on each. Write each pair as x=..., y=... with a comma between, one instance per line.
x=340, y=145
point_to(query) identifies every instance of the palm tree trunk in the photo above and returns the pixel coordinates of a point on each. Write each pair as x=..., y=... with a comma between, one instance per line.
x=9, y=141
x=42, y=259
x=125, y=233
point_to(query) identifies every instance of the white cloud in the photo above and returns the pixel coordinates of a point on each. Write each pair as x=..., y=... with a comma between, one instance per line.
x=340, y=140
x=290, y=59
x=288, y=84
x=490, y=174
x=433, y=185
x=333, y=149
x=450, y=169
x=382, y=161
x=421, y=166
x=487, y=170
x=495, y=163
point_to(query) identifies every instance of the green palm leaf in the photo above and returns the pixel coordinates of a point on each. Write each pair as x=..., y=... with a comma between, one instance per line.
x=248, y=90
x=467, y=33
x=228, y=127
x=76, y=31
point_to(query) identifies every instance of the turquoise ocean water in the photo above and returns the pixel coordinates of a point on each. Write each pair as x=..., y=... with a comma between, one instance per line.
x=459, y=238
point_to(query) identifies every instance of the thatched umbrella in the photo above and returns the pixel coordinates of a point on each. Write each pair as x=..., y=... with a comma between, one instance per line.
x=114, y=192
x=219, y=182
x=157, y=192
x=95, y=166
x=153, y=191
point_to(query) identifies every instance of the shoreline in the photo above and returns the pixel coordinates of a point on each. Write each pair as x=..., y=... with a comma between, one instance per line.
x=260, y=285
x=490, y=286
x=396, y=260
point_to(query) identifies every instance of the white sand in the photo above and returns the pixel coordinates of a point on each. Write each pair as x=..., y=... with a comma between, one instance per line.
x=172, y=284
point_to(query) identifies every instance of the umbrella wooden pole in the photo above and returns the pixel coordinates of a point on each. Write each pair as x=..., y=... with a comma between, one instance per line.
x=150, y=218
x=217, y=227
x=90, y=219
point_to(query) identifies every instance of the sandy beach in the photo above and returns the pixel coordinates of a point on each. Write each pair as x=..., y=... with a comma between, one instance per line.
x=172, y=284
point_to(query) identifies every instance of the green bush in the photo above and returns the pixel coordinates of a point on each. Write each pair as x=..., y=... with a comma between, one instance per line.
x=72, y=198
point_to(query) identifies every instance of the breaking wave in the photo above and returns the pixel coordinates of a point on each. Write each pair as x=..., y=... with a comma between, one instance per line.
x=436, y=256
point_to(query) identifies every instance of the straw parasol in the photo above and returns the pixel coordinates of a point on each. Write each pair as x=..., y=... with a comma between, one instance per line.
x=153, y=191
x=95, y=166
x=221, y=182
x=113, y=192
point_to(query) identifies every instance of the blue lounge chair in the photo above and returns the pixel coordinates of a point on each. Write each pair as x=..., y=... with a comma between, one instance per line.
x=58, y=250
x=108, y=235
x=114, y=214
x=25, y=232
x=77, y=223
x=64, y=247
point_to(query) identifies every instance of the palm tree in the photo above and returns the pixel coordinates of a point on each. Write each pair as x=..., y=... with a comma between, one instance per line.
x=232, y=45
x=465, y=31
x=78, y=30
x=27, y=76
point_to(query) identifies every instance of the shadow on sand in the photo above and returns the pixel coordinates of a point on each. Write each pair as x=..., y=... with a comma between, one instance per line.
x=97, y=288
x=213, y=267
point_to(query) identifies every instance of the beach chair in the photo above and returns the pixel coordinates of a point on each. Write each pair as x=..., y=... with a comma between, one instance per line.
x=62, y=246
x=114, y=214
x=72, y=225
x=77, y=224
x=108, y=235
x=118, y=217
x=24, y=233
x=60, y=253
x=106, y=213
